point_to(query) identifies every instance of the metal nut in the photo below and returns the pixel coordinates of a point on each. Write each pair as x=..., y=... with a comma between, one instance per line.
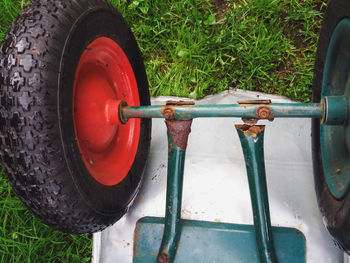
x=263, y=112
x=168, y=113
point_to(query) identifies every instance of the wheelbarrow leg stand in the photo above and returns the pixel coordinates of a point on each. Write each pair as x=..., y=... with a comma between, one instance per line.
x=252, y=141
x=178, y=131
x=251, y=138
x=172, y=239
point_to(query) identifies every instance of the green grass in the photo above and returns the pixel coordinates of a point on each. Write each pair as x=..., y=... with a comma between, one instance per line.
x=191, y=48
x=200, y=47
x=24, y=239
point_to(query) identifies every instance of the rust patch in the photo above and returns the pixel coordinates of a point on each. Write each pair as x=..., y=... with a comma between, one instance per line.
x=180, y=102
x=250, y=121
x=249, y=102
x=179, y=130
x=248, y=129
x=163, y=258
x=263, y=112
x=168, y=112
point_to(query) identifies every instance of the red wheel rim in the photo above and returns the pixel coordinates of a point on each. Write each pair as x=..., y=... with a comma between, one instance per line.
x=104, y=74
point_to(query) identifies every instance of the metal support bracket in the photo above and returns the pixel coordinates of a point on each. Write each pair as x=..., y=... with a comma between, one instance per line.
x=252, y=141
x=178, y=132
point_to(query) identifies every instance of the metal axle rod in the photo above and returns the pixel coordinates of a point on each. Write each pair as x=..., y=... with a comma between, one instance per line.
x=332, y=110
x=251, y=111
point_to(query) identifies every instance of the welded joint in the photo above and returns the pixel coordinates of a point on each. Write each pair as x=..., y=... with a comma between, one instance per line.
x=252, y=130
x=168, y=111
x=179, y=131
x=263, y=112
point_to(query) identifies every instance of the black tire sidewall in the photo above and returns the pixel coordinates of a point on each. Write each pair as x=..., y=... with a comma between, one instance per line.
x=335, y=212
x=100, y=22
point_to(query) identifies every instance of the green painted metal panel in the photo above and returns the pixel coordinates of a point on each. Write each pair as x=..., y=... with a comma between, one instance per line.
x=209, y=242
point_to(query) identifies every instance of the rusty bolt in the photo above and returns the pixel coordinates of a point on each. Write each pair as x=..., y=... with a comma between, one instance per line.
x=168, y=113
x=163, y=258
x=263, y=112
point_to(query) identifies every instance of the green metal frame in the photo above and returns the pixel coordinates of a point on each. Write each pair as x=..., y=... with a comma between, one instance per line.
x=252, y=141
x=181, y=237
x=333, y=112
x=176, y=164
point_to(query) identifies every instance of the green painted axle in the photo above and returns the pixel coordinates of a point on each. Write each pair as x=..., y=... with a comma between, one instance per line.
x=285, y=110
x=331, y=110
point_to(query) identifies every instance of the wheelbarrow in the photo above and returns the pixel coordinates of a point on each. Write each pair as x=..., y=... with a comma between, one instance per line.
x=75, y=135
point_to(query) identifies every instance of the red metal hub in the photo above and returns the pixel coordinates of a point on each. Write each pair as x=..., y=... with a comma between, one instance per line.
x=103, y=78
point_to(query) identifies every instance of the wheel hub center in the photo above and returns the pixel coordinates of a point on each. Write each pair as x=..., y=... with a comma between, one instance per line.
x=93, y=128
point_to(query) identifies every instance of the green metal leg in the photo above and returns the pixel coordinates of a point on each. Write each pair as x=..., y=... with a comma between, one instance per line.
x=252, y=140
x=158, y=239
x=178, y=132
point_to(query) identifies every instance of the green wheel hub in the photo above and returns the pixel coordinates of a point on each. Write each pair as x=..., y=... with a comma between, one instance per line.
x=335, y=139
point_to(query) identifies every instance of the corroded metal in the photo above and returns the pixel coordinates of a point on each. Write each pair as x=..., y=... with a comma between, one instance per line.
x=251, y=138
x=178, y=132
x=247, y=102
x=168, y=111
x=246, y=111
x=180, y=102
x=263, y=112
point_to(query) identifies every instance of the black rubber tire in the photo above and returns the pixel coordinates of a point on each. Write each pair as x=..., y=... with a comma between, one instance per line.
x=335, y=212
x=38, y=147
